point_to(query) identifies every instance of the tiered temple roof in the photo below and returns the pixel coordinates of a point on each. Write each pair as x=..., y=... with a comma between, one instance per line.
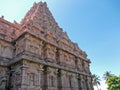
x=40, y=22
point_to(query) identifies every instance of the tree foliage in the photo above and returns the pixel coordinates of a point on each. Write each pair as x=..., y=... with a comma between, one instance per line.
x=107, y=75
x=113, y=82
x=96, y=80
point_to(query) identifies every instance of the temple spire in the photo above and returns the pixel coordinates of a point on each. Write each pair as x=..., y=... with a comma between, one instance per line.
x=41, y=22
x=40, y=15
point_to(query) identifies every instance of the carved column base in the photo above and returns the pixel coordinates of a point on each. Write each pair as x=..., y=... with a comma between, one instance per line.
x=29, y=89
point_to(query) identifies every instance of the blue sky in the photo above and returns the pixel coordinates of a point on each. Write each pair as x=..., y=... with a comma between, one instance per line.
x=93, y=24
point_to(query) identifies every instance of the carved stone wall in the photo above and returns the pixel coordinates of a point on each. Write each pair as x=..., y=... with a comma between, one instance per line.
x=52, y=78
x=20, y=46
x=25, y=76
x=31, y=76
x=3, y=78
x=6, y=49
x=66, y=59
x=79, y=64
x=38, y=55
x=50, y=53
x=33, y=46
x=14, y=76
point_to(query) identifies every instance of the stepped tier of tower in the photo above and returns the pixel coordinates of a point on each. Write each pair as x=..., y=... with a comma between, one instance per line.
x=37, y=54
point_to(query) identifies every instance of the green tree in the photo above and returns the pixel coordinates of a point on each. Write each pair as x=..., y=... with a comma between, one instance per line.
x=96, y=80
x=107, y=75
x=113, y=83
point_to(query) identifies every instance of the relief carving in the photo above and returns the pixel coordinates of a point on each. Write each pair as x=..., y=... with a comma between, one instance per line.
x=80, y=67
x=18, y=77
x=6, y=50
x=71, y=61
x=33, y=46
x=52, y=77
x=40, y=55
x=20, y=46
x=32, y=75
x=64, y=79
x=3, y=78
x=50, y=52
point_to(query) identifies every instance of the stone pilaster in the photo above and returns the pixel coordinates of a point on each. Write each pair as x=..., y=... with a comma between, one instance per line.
x=3, y=78
x=59, y=81
x=24, y=82
x=40, y=70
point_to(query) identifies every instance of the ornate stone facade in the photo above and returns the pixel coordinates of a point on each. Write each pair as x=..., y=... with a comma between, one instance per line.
x=37, y=55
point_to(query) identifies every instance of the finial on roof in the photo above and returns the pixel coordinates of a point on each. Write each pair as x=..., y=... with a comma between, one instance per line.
x=42, y=0
x=2, y=17
x=35, y=3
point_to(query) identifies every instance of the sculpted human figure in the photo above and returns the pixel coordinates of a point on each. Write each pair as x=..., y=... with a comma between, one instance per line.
x=37, y=54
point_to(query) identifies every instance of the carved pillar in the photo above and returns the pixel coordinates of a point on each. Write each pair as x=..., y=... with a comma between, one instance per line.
x=27, y=43
x=39, y=83
x=84, y=83
x=70, y=79
x=65, y=80
x=76, y=63
x=14, y=78
x=59, y=81
x=3, y=79
x=90, y=85
x=75, y=81
x=44, y=78
x=52, y=78
x=87, y=83
x=83, y=66
x=79, y=82
x=24, y=82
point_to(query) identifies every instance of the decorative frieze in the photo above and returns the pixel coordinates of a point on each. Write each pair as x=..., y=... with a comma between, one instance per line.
x=38, y=55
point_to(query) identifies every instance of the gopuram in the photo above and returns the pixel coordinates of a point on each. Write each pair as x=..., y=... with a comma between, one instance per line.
x=37, y=54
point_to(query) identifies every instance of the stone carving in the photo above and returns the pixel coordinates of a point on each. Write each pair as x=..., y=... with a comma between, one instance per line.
x=7, y=30
x=52, y=78
x=75, y=82
x=64, y=80
x=3, y=78
x=37, y=55
x=50, y=53
x=33, y=46
x=80, y=65
x=19, y=46
x=6, y=49
x=66, y=59
x=86, y=65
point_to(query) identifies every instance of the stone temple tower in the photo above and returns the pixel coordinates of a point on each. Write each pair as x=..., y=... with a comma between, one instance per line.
x=37, y=55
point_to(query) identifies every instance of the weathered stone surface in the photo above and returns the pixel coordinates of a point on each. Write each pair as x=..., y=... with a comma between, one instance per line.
x=6, y=49
x=3, y=78
x=37, y=55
